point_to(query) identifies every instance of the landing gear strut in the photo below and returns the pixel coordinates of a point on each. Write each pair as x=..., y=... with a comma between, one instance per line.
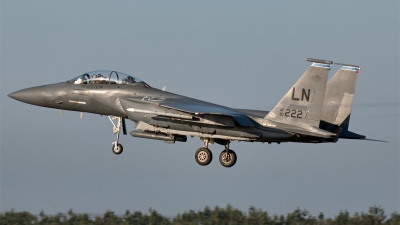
x=117, y=147
x=228, y=157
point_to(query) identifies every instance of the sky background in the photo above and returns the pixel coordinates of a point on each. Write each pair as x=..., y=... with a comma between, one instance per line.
x=243, y=54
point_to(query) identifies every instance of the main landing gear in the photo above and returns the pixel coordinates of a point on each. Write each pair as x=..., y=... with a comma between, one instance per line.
x=227, y=158
x=203, y=155
x=117, y=147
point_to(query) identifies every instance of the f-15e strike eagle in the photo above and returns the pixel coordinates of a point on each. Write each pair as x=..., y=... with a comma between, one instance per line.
x=312, y=111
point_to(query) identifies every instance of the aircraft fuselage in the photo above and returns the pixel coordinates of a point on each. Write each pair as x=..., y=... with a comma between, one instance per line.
x=312, y=111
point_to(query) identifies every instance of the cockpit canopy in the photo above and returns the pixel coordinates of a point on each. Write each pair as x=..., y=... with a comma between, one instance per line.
x=105, y=77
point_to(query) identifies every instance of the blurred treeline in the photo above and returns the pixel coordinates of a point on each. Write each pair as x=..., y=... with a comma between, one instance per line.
x=207, y=216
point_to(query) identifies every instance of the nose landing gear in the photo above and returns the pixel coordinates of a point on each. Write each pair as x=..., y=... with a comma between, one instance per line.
x=117, y=147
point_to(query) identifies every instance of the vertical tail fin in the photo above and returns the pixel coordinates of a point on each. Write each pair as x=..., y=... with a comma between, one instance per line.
x=339, y=95
x=302, y=104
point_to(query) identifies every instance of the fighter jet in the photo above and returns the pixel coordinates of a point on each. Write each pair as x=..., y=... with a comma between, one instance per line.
x=312, y=111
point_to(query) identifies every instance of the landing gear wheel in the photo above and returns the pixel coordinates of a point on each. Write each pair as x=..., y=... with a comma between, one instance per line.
x=117, y=149
x=227, y=160
x=203, y=156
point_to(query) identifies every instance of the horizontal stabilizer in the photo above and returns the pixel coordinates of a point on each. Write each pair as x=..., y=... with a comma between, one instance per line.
x=345, y=134
x=307, y=130
x=350, y=135
x=368, y=139
x=307, y=133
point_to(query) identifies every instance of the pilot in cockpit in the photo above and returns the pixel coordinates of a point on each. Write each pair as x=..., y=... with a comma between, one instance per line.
x=130, y=79
x=94, y=80
x=78, y=81
x=98, y=79
x=101, y=78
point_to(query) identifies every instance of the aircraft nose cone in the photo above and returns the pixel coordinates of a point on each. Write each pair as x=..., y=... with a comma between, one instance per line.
x=32, y=95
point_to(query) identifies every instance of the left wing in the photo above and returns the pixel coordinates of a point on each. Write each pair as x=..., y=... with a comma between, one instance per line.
x=195, y=108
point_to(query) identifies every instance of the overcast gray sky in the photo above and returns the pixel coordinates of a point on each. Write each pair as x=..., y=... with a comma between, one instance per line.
x=243, y=54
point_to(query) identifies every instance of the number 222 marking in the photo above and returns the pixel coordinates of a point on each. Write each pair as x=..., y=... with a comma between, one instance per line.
x=293, y=113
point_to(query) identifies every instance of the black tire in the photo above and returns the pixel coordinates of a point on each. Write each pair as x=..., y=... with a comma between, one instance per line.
x=232, y=158
x=118, y=150
x=203, y=156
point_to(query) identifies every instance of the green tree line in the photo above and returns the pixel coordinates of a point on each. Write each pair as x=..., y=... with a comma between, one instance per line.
x=207, y=216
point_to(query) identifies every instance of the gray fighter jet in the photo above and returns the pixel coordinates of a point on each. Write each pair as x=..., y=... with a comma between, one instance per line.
x=312, y=111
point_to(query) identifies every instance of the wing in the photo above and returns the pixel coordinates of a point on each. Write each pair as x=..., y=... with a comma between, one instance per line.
x=196, y=108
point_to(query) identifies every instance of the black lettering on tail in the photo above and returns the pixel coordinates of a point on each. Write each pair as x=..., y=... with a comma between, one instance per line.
x=306, y=95
x=293, y=98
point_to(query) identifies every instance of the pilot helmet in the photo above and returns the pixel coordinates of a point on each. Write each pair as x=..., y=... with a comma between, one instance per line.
x=131, y=79
x=78, y=81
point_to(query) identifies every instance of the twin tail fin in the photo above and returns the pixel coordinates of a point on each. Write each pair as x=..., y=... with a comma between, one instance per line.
x=339, y=95
x=302, y=104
